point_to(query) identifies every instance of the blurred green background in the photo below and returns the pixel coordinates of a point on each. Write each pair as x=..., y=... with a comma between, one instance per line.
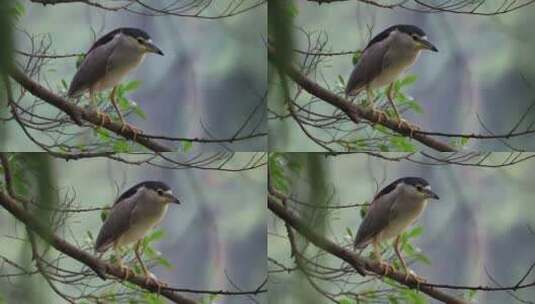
x=485, y=68
x=217, y=235
x=480, y=224
x=213, y=73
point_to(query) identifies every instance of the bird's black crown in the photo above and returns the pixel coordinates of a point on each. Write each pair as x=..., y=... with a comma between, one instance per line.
x=154, y=185
x=129, y=31
x=415, y=181
x=405, y=28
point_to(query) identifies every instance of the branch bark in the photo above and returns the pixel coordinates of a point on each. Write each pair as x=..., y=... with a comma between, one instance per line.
x=77, y=114
x=99, y=266
x=356, y=112
x=356, y=261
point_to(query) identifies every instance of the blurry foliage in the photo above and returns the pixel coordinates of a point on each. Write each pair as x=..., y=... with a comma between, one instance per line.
x=10, y=12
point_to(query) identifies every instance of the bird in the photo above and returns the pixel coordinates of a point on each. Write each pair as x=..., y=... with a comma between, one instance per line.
x=391, y=211
x=108, y=60
x=384, y=59
x=132, y=215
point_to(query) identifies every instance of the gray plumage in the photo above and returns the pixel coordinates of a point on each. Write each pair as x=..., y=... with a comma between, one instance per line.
x=387, y=55
x=133, y=214
x=393, y=209
x=109, y=59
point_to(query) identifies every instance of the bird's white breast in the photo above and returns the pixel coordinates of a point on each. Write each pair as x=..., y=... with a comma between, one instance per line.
x=404, y=217
x=122, y=60
x=396, y=60
x=143, y=222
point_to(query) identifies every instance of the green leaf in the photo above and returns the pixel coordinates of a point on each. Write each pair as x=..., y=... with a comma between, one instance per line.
x=124, y=104
x=154, y=236
x=414, y=297
x=153, y=298
x=187, y=145
x=164, y=262
x=293, y=11
x=139, y=112
x=346, y=301
x=356, y=57
x=132, y=85
x=402, y=144
x=103, y=134
x=471, y=294
x=121, y=146
x=415, y=232
x=349, y=232
x=408, y=80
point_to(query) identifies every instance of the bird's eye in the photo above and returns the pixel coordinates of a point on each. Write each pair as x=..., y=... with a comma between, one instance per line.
x=160, y=192
x=140, y=40
x=414, y=37
x=419, y=188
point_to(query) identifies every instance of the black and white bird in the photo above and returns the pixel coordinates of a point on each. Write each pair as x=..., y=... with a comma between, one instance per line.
x=384, y=59
x=132, y=215
x=108, y=60
x=391, y=211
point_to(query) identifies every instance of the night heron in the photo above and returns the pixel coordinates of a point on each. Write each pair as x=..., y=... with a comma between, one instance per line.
x=108, y=60
x=392, y=210
x=384, y=59
x=132, y=215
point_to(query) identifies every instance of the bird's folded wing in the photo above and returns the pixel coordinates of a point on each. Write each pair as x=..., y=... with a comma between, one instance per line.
x=368, y=67
x=115, y=225
x=92, y=69
x=377, y=218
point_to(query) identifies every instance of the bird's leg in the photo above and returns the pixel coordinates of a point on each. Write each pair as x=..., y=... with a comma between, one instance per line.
x=125, y=125
x=150, y=279
x=400, y=257
x=120, y=262
x=371, y=102
x=389, y=93
x=408, y=272
x=100, y=115
x=401, y=121
x=377, y=253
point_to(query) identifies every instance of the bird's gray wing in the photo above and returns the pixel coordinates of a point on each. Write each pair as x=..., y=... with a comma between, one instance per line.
x=367, y=68
x=377, y=218
x=116, y=224
x=92, y=69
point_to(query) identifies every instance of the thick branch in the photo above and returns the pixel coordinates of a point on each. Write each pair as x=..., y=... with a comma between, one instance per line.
x=356, y=112
x=355, y=260
x=77, y=114
x=99, y=266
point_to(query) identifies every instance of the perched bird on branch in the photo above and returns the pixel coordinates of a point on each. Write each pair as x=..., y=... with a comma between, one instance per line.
x=132, y=215
x=384, y=59
x=393, y=210
x=108, y=60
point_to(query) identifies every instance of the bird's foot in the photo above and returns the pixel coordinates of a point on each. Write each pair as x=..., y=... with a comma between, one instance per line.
x=413, y=276
x=135, y=131
x=381, y=116
x=402, y=122
x=151, y=279
x=386, y=268
x=102, y=118
x=126, y=271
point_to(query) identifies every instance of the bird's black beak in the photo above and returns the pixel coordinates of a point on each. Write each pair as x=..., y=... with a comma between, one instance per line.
x=428, y=45
x=153, y=48
x=172, y=199
x=431, y=194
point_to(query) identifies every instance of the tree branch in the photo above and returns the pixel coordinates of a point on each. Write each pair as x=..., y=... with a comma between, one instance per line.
x=359, y=263
x=356, y=112
x=77, y=113
x=100, y=267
